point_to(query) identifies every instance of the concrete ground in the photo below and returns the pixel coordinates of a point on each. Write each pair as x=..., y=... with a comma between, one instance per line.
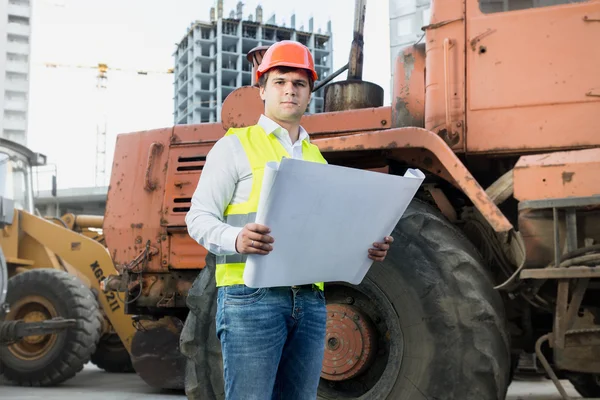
x=537, y=388
x=95, y=384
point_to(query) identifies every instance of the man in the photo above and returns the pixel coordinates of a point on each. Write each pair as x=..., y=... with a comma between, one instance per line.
x=272, y=339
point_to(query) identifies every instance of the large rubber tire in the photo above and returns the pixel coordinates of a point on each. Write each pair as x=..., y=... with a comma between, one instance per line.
x=3, y=279
x=441, y=325
x=198, y=340
x=588, y=385
x=111, y=355
x=64, y=353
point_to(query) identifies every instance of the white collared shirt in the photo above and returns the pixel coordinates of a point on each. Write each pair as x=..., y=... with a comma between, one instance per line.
x=227, y=179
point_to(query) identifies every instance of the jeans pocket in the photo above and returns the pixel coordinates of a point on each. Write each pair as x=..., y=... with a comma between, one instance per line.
x=243, y=295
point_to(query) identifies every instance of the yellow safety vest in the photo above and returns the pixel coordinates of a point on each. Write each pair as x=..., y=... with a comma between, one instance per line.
x=260, y=149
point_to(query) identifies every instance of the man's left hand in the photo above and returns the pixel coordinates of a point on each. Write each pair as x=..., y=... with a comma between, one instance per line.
x=379, y=249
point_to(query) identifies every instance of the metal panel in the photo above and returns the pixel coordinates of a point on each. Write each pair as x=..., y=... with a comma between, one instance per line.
x=561, y=273
x=558, y=175
x=521, y=99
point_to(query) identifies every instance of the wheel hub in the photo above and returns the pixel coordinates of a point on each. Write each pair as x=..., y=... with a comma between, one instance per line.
x=34, y=316
x=32, y=309
x=350, y=343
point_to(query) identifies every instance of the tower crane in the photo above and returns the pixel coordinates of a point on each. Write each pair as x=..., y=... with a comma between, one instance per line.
x=101, y=123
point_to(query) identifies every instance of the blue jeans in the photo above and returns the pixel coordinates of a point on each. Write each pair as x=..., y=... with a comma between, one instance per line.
x=273, y=341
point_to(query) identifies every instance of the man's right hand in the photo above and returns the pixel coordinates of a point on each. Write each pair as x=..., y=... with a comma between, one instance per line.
x=254, y=239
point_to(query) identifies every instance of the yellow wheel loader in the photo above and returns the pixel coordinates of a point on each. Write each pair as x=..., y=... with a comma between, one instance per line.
x=53, y=317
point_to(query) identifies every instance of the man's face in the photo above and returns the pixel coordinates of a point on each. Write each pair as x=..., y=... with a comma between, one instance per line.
x=286, y=96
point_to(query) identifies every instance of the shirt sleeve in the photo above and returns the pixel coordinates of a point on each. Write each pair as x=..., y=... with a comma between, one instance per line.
x=213, y=194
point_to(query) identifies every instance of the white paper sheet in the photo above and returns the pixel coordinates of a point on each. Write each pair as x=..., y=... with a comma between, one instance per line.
x=324, y=218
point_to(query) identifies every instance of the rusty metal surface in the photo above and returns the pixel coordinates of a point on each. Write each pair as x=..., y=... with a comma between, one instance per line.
x=586, y=202
x=113, y=283
x=184, y=252
x=445, y=74
x=160, y=290
x=355, y=61
x=583, y=337
x=581, y=352
x=423, y=159
x=577, y=297
x=560, y=315
x=351, y=95
x=558, y=175
x=536, y=226
x=421, y=138
x=350, y=343
x=441, y=200
x=592, y=17
x=242, y=107
x=533, y=129
x=556, y=231
x=326, y=124
x=153, y=152
x=440, y=24
x=541, y=103
x=185, y=165
x=571, y=221
x=550, y=226
x=128, y=222
x=561, y=273
x=183, y=135
x=408, y=97
x=454, y=128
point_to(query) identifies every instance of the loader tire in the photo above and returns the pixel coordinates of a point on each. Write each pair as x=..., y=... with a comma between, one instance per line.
x=111, y=355
x=430, y=325
x=198, y=340
x=47, y=360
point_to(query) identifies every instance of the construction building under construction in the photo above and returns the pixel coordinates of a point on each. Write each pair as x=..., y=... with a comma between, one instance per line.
x=15, y=32
x=210, y=60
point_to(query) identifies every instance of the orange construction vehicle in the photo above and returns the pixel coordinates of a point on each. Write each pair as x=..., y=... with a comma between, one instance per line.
x=498, y=255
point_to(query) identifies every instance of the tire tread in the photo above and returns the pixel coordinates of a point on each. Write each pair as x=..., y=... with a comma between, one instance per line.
x=80, y=341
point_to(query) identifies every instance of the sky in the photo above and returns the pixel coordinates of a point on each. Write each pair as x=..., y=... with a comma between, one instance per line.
x=64, y=104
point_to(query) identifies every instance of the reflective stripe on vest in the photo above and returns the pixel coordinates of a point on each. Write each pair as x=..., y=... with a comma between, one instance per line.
x=260, y=149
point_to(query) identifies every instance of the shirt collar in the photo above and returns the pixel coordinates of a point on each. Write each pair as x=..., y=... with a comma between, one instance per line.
x=270, y=126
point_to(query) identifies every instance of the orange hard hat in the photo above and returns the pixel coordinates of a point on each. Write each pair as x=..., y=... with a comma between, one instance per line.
x=287, y=53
